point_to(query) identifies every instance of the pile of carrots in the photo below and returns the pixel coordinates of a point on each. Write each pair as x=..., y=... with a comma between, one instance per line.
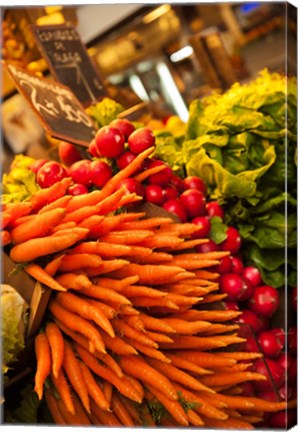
x=129, y=338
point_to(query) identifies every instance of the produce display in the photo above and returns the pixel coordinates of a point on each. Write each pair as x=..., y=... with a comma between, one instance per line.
x=160, y=313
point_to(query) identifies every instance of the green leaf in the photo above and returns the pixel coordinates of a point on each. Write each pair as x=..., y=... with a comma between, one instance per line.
x=218, y=232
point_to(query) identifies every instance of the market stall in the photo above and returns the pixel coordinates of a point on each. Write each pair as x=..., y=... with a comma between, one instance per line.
x=149, y=224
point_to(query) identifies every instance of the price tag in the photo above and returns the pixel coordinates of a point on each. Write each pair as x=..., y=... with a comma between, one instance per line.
x=58, y=109
x=69, y=61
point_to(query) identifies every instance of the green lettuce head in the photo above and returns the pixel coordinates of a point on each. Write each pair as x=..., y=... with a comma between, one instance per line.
x=13, y=326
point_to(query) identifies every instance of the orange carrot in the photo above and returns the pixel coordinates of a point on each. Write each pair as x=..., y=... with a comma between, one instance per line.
x=78, y=324
x=175, y=374
x=63, y=390
x=104, y=294
x=141, y=291
x=58, y=203
x=159, y=337
x=157, y=324
x=94, y=390
x=226, y=378
x=172, y=406
x=148, y=350
x=107, y=310
x=109, y=203
x=126, y=172
x=234, y=402
x=107, y=389
x=63, y=226
x=13, y=211
x=148, y=223
x=120, y=411
x=194, y=419
x=139, y=368
x=52, y=267
x=44, y=363
x=239, y=355
x=106, y=266
x=148, y=274
x=77, y=337
x=161, y=241
x=92, y=222
x=186, y=327
x=123, y=329
x=53, y=408
x=42, y=246
x=211, y=315
x=73, y=371
x=107, y=250
x=203, y=359
x=115, y=284
x=79, y=418
x=193, y=342
x=78, y=305
x=105, y=418
x=81, y=214
x=39, y=226
x=181, y=363
x=134, y=321
x=56, y=341
x=117, y=345
x=153, y=258
x=126, y=237
x=73, y=262
x=73, y=281
x=230, y=423
x=50, y=194
x=5, y=238
x=268, y=406
x=42, y=276
x=148, y=172
x=105, y=226
x=107, y=374
x=202, y=406
x=146, y=302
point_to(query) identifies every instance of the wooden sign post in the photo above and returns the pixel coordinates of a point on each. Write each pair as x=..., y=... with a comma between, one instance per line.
x=58, y=109
x=69, y=61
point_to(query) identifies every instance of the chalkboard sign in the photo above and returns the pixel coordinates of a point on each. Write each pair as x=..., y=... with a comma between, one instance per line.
x=69, y=61
x=58, y=109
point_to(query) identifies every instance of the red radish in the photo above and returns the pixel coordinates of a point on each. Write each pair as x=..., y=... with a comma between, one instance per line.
x=230, y=305
x=280, y=335
x=125, y=126
x=92, y=149
x=237, y=265
x=285, y=392
x=292, y=371
x=233, y=285
x=125, y=159
x=204, y=227
x=132, y=186
x=177, y=182
x=140, y=140
x=99, y=173
x=264, y=300
x=213, y=208
x=248, y=317
x=38, y=163
x=285, y=361
x=170, y=192
x=193, y=182
x=253, y=275
x=272, y=371
x=247, y=389
x=233, y=241
x=283, y=419
x=77, y=189
x=80, y=172
x=292, y=339
x=176, y=207
x=263, y=323
x=50, y=173
x=109, y=142
x=269, y=395
x=224, y=266
x=162, y=178
x=209, y=246
x=155, y=195
x=269, y=343
x=68, y=153
x=247, y=292
x=250, y=345
x=194, y=202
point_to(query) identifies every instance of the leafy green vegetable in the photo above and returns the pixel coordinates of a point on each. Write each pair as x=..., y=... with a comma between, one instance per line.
x=19, y=183
x=169, y=150
x=243, y=145
x=218, y=230
x=104, y=111
x=14, y=321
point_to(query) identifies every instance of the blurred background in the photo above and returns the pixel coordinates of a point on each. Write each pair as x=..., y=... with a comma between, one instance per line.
x=162, y=56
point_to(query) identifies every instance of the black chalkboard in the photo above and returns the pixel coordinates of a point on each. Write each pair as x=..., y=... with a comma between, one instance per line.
x=69, y=61
x=58, y=109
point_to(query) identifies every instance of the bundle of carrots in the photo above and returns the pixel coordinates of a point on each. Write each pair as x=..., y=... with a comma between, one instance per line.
x=129, y=340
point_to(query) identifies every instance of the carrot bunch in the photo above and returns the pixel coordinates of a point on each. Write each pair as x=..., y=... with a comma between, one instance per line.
x=130, y=339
